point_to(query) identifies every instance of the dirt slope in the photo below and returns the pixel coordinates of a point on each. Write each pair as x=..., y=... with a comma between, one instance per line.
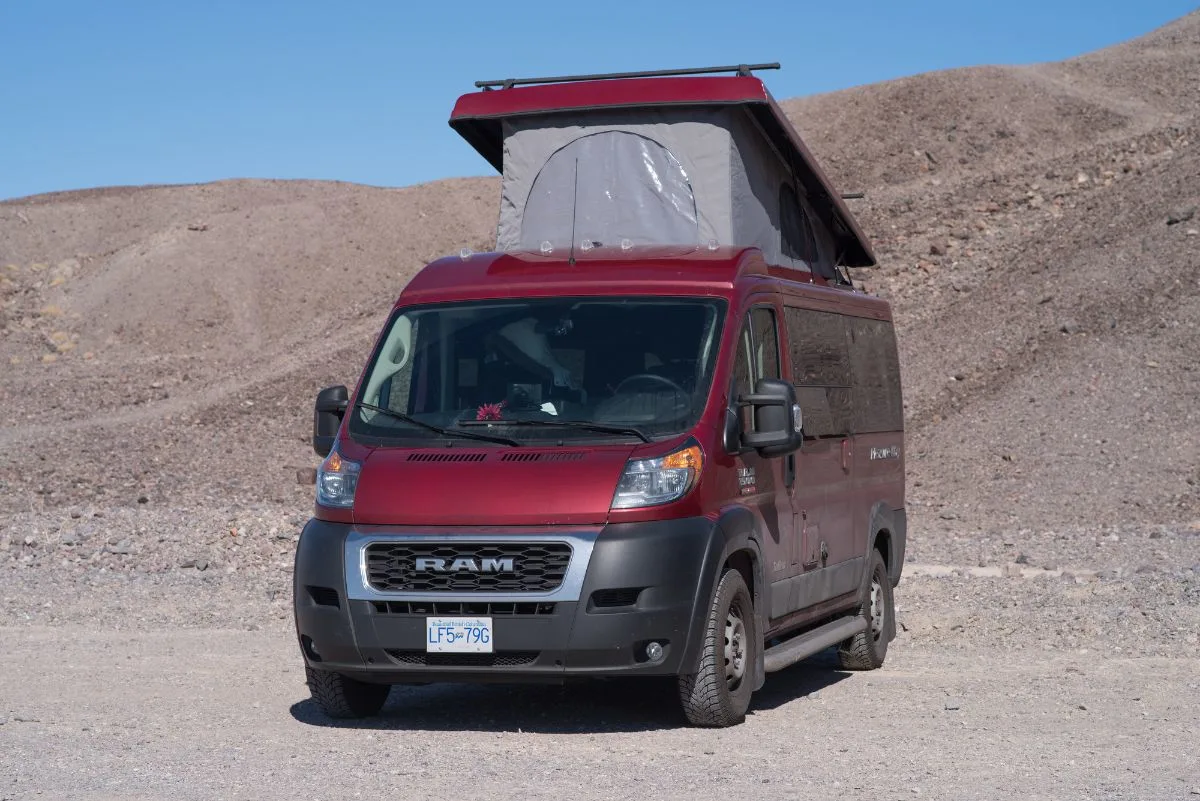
x=164, y=343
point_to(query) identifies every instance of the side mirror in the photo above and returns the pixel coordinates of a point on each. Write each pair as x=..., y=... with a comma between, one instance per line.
x=778, y=422
x=327, y=417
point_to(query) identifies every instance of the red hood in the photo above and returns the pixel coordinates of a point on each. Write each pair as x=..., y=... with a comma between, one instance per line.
x=488, y=486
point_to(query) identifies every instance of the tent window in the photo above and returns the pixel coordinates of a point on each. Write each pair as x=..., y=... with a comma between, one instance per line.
x=796, y=229
x=607, y=187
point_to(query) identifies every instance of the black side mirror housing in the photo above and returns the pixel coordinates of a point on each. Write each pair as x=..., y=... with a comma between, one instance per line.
x=777, y=419
x=327, y=417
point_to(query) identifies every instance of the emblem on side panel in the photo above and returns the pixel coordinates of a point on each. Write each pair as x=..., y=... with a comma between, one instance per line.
x=892, y=452
x=746, y=480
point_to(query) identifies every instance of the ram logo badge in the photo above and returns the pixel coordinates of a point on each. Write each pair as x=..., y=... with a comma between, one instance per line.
x=428, y=564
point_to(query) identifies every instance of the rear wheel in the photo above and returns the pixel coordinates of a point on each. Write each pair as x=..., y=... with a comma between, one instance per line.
x=867, y=650
x=343, y=697
x=718, y=692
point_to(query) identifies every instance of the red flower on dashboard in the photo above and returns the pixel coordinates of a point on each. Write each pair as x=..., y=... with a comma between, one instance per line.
x=489, y=411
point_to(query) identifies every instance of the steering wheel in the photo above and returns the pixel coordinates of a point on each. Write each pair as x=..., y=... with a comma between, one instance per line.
x=654, y=377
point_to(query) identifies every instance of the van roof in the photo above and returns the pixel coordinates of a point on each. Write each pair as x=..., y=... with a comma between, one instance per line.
x=479, y=116
x=612, y=271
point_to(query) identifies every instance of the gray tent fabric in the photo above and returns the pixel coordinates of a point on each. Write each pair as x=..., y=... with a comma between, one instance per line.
x=651, y=176
x=610, y=188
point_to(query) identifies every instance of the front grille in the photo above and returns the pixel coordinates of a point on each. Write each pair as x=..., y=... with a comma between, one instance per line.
x=537, y=566
x=499, y=659
x=460, y=608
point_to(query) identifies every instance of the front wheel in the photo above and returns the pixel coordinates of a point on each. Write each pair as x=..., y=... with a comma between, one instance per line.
x=343, y=697
x=718, y=692
x=867, y=650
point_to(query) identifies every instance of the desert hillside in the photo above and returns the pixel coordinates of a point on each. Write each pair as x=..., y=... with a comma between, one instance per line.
x=1037, y=233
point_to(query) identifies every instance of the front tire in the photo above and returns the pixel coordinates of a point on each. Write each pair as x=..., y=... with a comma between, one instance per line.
x=341, y=697
x=718, y=693
x=867, y=650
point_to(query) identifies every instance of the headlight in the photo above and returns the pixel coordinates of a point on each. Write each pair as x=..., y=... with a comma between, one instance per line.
x=652, y=482
x=337, y=478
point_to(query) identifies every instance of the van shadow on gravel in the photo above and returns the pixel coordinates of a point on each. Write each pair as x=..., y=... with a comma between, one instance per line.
x=623, y=705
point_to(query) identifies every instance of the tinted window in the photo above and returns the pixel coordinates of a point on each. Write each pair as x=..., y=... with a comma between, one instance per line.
x=766, y=343
x=743, y=378
x=820, y=354
x=876, y=372
x=757, y=356
x=645, y=362
x=795, y=229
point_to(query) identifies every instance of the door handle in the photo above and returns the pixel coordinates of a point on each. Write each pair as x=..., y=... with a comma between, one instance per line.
x=846, y=455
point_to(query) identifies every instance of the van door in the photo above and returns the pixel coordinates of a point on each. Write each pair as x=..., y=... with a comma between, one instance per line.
x=878, y=469
x=763, y=482
x=819, y=357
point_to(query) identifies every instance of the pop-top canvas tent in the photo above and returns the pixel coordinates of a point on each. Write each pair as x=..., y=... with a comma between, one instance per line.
x=674, y=162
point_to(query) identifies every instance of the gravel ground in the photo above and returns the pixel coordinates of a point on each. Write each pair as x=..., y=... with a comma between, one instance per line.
x=1027, y=665
x=223, y=713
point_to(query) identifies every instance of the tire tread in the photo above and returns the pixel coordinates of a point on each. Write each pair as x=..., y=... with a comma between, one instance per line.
x=862, y=651
x=341, y=697
x=705, y=698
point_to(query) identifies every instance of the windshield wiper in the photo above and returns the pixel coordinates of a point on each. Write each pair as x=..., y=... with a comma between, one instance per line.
x=584, y=424
x=445, y=432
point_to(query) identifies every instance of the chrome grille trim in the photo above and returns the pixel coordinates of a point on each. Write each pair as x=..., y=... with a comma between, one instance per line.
x=358, y=587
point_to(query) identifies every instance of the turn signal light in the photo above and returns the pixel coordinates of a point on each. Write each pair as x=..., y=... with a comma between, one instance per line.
x=653, y=482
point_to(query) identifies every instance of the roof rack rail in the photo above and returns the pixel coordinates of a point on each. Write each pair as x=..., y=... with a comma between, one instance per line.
x=740, y=69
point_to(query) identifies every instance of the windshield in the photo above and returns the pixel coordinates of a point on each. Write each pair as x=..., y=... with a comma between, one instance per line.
x=633, y=366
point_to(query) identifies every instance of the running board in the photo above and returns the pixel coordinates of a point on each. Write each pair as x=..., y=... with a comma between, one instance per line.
x=805, y=645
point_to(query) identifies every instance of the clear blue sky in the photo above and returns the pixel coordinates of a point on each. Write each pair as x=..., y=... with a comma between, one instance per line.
x=117, y=92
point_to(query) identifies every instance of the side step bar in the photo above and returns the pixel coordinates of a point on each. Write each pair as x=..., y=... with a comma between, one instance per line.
x=804, y=645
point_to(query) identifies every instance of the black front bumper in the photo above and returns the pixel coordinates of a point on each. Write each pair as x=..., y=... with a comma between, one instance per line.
x=673, y=563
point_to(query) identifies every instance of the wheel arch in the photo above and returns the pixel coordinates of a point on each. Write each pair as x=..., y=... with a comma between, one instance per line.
x=885, y=535
x=741, y=532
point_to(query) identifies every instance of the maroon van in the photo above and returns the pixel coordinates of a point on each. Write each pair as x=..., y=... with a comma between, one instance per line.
x=656, y=432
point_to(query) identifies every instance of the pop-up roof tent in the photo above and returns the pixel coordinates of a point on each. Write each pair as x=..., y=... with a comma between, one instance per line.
x=657, y=159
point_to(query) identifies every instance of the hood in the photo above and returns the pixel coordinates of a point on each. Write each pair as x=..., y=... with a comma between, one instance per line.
x=488, y=486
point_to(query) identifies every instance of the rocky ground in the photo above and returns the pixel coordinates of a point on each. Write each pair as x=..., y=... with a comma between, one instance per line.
x=1038, y=235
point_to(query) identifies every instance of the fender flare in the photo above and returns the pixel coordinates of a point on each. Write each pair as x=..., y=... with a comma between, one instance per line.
x=737, y=528
x=882, y=518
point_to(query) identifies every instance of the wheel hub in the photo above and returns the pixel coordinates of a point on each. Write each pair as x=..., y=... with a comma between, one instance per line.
x=878, y=610
x=735, y=648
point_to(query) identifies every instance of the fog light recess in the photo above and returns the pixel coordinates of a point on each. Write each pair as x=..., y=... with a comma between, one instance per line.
x=310, y=648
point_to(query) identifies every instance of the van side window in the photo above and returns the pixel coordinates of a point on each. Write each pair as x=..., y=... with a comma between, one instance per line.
x=820, y=352
x=875, y=365
x=766, y=343
x=743, y=380
x=757, y=355
x=795, y=228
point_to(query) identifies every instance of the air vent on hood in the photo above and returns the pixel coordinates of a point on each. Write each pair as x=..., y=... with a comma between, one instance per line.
x=447, y=456
x=546, y=456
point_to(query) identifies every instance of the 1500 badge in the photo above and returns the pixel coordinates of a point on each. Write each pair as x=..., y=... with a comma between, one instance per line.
x=892, y=452
x=746, y=480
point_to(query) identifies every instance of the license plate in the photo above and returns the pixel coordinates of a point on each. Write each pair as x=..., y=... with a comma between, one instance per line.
x=458, y=635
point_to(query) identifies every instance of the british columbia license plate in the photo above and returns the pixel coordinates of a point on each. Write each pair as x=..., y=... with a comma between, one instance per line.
x=458, y=635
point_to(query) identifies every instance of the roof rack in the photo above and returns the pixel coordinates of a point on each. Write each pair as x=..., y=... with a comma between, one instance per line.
x=740, y=69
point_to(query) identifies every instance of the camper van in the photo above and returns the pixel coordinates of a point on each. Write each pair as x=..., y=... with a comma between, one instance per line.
x=657, y=432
